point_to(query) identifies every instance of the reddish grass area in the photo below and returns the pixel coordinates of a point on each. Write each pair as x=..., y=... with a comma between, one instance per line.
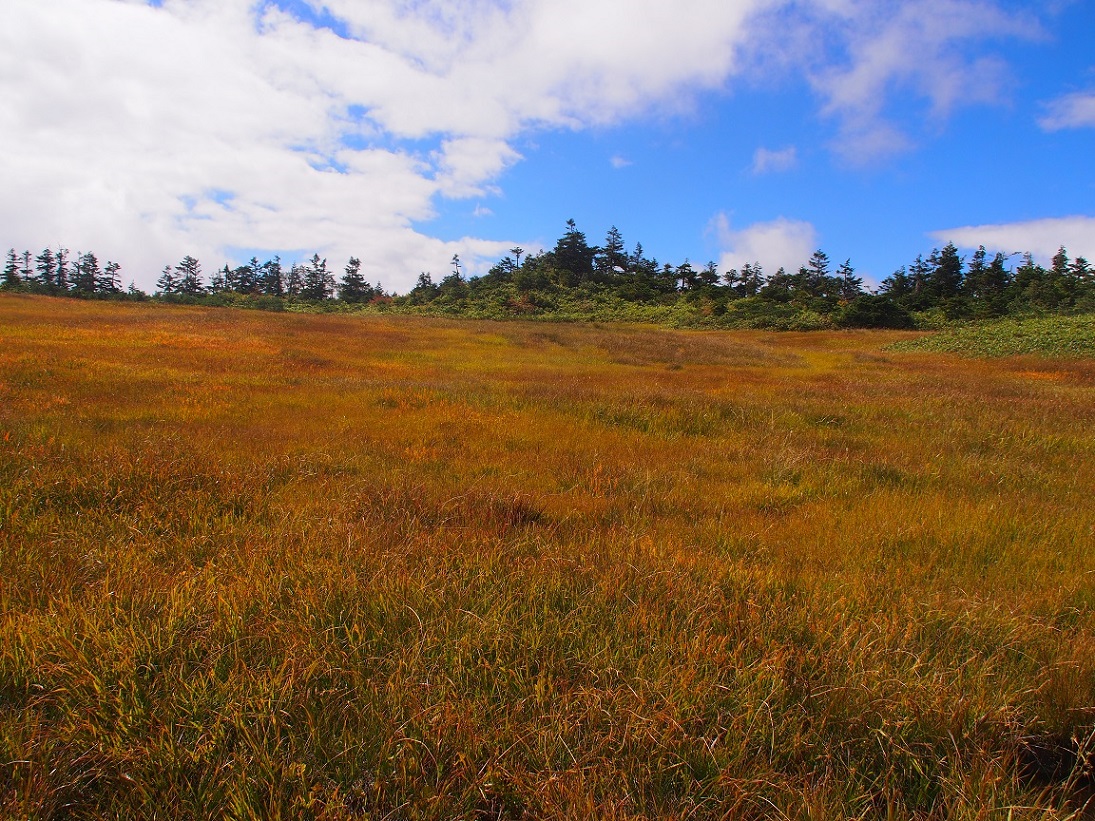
x=262, y=566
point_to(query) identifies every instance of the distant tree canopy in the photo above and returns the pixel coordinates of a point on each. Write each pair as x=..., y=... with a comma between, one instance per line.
x=983, y=286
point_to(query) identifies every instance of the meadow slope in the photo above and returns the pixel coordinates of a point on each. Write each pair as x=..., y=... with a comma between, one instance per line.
x=302, y=566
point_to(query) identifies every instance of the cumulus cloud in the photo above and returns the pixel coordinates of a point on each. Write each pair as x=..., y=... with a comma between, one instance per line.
x=1071, y=111
x=1041, y=237
x=216, y=127
x=766, y=160
x=780, y=243
x=926, y=48
x=208, y=126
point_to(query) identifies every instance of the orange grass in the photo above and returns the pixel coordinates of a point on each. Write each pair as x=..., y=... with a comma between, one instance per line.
x=286, y=566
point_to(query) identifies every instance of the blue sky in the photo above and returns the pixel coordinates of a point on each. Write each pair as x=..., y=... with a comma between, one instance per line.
x=726, y=130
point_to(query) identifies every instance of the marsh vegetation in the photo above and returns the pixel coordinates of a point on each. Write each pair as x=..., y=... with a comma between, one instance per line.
x=318, y=566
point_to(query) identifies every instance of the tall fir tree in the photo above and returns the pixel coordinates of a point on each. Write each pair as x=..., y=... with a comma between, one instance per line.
x=168, y=283
x=189, y=277
x=353, y=287
x=62, y=272
x=11, y=271
x=270, y=280
x=46, y=267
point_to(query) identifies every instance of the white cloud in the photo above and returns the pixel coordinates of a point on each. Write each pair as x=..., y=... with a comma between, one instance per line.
x=619, y=162
x=1041, y=237
x=767, y=160
x=780, y=243
x=1071, y=111
x=146, y=133
x=926, y=48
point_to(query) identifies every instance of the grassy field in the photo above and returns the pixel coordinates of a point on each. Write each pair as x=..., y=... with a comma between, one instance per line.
x=1063, y=336
x=288, y=566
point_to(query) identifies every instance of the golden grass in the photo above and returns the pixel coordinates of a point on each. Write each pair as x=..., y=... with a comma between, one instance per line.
x=263, y=566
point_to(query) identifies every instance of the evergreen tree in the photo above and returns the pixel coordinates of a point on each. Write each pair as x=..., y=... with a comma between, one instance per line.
x=86, y=276
x=851, y=286
x=610, y=261
x=251, y=278
x=167, y=284
x=919, y=272
x=319, y=283
x=353, y=287
x=750, y=280
x=973, y=286
x=945, y=278
x=11, y=271
x=1060, y=283
x=686, y=276
x=294, y=281
x=1083, y=274
x=218, y=282
x=27, y=270
x=709, y=276
x=189, y=277
x=572, y=256
x=62, y=281
x=46, y=266
x=992, y=300
x=779, y=287
x=897, y=285
x=270, y=281
x=109, y=282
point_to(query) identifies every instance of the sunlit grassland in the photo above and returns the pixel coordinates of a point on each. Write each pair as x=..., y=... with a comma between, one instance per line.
x=1068, y=336
x=262, y=566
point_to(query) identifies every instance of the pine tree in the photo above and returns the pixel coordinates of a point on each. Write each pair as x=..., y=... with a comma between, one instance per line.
x=62, y=281
x=897, y=285
x=353, y=287
x=319, y=283
x=86, y=276
x=270, y=280
x=11, y=271
x=611, y=259
x=851, y=286
x=218, y=282
x=27, y=270
x=167, y=284
x=573, y=257
x=294, y=282
x=110, y=282
x=945, y=278
x=189, y=279
x=46, y=266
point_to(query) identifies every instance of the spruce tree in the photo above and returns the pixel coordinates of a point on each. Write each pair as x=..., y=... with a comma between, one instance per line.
x=270, y=280
x=167, y=283
x=46, y=266
x=189, y=273
x=86, y=276
x=62, y=281
x=110, y=282
x=11, y=271
x=353, y=287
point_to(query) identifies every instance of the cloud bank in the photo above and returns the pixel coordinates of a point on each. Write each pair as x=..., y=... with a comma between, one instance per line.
x=1041, y=237
x=779, y=243
x=220, y=128
x=1071, y=111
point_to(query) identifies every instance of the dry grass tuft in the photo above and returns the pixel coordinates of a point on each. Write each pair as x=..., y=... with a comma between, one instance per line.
x=275, y=566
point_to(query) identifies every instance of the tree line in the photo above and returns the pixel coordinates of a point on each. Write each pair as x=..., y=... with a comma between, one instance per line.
x=983, y=286
x=944, y=281
x=54, y=273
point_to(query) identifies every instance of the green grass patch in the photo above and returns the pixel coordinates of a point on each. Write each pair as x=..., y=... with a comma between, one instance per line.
x=1058, y=336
